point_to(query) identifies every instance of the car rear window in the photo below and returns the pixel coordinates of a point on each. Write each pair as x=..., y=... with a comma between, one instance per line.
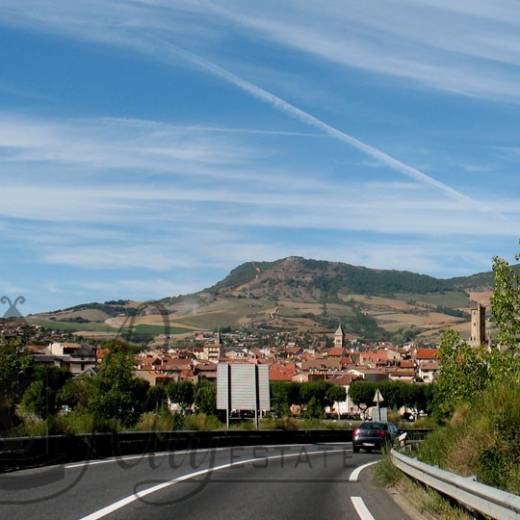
x=374, y=426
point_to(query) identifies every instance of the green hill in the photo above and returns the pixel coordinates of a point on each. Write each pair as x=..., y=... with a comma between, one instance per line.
x=304, y=294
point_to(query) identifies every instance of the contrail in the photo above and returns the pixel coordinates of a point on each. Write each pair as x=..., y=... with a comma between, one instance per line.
x=295, y=112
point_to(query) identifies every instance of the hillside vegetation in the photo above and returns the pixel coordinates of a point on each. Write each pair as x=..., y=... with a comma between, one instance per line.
x=477, y=397
x=298, y=294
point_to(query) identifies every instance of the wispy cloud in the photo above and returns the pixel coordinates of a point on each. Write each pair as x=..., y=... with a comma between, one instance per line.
x=297, y=113
x=467, y=47
x=159, y=48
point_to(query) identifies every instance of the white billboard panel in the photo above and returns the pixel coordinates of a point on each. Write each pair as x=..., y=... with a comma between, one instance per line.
x=243, y=386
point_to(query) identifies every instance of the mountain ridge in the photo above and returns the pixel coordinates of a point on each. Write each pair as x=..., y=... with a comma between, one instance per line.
x=303, y=294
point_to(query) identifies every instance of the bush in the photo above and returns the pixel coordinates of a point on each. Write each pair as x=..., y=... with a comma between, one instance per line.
x=156, y=422
x=201, y=422
x=482, y=438
x=281, y=423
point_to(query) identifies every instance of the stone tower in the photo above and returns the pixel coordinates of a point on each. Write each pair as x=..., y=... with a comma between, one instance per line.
x=339, y=337
x=478, y=326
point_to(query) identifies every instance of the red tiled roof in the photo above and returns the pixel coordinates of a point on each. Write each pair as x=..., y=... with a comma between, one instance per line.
x=322, y=363
x=280, y=372
x=427, y=353
x=335, y=351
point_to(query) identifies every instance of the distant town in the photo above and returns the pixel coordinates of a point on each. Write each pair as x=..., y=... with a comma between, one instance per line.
x=291, y=357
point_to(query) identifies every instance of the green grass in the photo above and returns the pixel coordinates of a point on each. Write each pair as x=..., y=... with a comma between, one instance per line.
x=452, y=299
x=427, y=500
x=421, y=498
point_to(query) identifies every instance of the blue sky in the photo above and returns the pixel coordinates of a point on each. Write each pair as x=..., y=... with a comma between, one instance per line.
x=147, y=147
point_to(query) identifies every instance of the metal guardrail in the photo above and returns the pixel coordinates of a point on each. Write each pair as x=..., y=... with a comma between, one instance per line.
x=473, y=495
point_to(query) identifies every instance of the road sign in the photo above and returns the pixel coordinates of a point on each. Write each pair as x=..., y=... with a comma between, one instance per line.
x=378, y=397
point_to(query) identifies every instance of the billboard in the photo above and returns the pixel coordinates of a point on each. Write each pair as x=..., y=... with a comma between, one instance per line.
x=243, y=386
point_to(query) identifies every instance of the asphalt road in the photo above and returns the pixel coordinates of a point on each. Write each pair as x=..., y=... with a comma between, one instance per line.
x=289, y=482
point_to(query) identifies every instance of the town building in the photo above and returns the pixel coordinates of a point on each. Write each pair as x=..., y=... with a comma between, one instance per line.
x=339, y=338
x=478, y=326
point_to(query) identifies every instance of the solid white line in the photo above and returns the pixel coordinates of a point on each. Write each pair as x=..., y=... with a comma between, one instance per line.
x=355, y=473
x=132, y=498
x=183, y=452
x=361, y=508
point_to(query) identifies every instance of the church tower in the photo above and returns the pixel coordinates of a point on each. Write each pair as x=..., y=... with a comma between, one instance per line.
x=339, y=337
x=478, y=326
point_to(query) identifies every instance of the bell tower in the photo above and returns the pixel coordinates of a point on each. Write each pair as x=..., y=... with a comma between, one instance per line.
x=339, y=337
x=478, y=326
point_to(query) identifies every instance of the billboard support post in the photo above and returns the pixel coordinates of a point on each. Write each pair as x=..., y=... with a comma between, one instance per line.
x=228, y=407
x=257, y=396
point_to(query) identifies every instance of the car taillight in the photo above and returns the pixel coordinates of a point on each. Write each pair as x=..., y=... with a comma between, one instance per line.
x=356, y=432
x=382, y=433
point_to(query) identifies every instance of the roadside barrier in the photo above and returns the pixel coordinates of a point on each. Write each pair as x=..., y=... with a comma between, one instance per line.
x=477, y=497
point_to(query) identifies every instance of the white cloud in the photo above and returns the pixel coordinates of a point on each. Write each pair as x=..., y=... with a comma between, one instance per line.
x=295, y=112
x=111, y=258
x=468, y=47
x=154, y=44
x=444, y=45
x=142, y=289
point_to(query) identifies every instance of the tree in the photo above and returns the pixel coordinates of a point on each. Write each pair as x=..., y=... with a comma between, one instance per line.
x=156, y=398
x=206, y=397
x=505, y=304
x=182, y=393
x=41, y=398
x=395, y=394
x=335, y=394
x=319, y=394
x=117, y=393
x=362, y=392
x=77, y=392
x=313, y=409
x=15, y=372
x=464, y=372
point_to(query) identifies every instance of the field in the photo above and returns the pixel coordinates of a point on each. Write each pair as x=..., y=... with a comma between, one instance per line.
x=103, y=329
x=420, y=313
x=451, y=299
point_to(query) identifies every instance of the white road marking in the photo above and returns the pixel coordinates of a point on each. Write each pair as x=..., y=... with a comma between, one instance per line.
x=132, y=498
x=361, y=508
x=355, y=473
x=184, y=452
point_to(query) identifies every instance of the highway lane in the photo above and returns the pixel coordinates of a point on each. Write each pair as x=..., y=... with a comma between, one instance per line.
x=304, y=481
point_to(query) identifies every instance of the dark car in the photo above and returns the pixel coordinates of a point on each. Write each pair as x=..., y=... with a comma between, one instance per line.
x=374, y=435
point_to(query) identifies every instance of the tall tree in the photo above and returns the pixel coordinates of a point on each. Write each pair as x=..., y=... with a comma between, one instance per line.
x=505, y=304
x=41, y=398
x=15, y=372
x=118, y=394
x=464, y=372
x=206, y=397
